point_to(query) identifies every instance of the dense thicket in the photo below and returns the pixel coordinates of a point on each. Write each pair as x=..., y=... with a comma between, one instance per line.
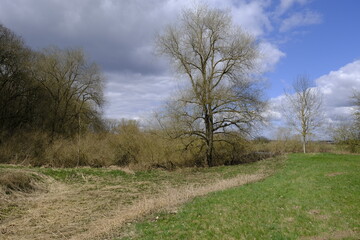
x=54, y=91
x=18, y=92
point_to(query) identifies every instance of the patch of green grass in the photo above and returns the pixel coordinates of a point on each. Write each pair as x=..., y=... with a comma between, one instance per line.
x=78, y=174
x=314, y=195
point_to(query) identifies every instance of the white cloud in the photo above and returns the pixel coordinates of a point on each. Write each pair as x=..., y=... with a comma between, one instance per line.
x=253, y=17
x=274, y=112
x=133, y=95
x=336, y=88
x=300, y=19
x=287, y=4
x=270, y=55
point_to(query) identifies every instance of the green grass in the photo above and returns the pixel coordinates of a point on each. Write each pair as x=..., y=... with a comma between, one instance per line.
x=313, y=195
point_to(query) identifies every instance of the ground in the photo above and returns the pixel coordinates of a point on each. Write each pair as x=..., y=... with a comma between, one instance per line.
x=301, y=196
x=87, y=203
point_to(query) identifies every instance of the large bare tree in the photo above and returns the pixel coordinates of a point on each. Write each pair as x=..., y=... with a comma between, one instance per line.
x=303, y=108
x=215, y=57
x=73, y=89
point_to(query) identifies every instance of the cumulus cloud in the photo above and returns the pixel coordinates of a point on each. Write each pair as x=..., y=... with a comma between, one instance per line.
x=119, y=36
x=300, y=19
x=336, y=88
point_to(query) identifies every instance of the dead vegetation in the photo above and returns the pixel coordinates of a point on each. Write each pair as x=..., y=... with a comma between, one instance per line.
x=334, y=235
x=334, y=174
x=94, y=203
x=18, y=181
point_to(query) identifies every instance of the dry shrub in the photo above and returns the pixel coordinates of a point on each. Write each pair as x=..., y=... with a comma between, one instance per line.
x=93, y=150
x=23, y=147
x=144, y=150
x=293, y=146
x=127, y=145
x=150, y=149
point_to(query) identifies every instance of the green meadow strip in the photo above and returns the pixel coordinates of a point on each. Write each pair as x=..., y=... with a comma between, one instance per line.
x=315, y=196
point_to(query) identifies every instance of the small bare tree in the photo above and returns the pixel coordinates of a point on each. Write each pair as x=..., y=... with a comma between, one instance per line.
x=303, y=108
x=214, y=56
x=356, y=100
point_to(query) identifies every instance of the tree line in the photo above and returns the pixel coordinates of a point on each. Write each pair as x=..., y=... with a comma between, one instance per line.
x=58, y=91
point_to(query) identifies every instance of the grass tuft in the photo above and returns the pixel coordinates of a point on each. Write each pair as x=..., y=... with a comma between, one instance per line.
x=18, y=181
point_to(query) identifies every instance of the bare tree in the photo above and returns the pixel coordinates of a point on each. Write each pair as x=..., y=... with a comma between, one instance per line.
x=356, y=100
x=215, y=57
x=303, y=108
x=73, y=89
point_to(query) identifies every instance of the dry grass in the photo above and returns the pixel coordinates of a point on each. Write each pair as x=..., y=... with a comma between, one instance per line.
x=334, y=174
x=93, y=206
x=17, y=181
x=166, y=200
x=333, y=235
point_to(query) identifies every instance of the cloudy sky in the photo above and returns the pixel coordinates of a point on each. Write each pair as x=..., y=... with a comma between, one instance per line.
x=319, y=38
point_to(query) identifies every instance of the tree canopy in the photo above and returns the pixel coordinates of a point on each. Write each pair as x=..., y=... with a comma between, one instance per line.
x=215, y=57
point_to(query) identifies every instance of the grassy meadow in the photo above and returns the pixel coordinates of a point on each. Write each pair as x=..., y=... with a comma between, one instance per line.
x=311, y=196
x=314, y=196
x=92, y=203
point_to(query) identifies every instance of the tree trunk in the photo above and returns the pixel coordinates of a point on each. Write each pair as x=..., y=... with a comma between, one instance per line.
x=304, y=144
x=209, y=140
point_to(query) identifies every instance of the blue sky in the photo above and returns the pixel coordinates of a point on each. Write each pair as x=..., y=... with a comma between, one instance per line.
x=320, y=38
x=317, y=49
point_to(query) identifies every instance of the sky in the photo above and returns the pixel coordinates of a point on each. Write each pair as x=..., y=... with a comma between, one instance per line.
x=319, y=38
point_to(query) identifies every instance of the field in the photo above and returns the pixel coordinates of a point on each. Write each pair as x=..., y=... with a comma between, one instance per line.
x=90, y=203
x=312, y=196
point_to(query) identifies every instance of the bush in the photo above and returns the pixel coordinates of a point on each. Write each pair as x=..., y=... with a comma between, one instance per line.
x=127, y=145
x=93, y=150
x=23, y=147
x=351, y=145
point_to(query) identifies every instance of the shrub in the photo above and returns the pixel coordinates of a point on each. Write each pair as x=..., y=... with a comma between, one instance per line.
x=23, y=147
x=93, y=150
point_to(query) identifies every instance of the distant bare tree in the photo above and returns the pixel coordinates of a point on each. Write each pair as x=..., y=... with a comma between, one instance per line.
x=303, y=108
x=215, y=57
x=356, y=99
